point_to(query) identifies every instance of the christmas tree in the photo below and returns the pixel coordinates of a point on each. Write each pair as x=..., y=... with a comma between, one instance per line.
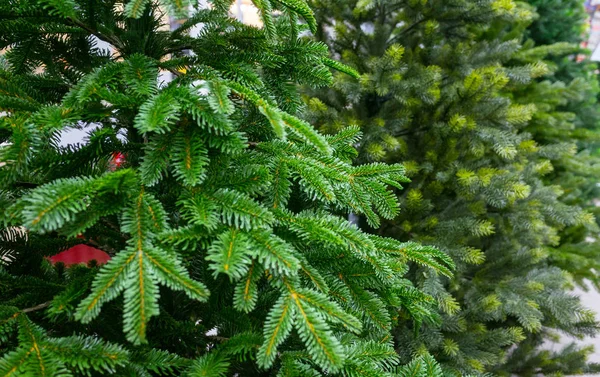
x=567, y=115
x=567, y=100
x=226, y=221
x=459, y=92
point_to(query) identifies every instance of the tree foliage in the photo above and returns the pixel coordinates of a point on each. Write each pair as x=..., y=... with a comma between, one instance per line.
x=231, y=252
x=496, y=126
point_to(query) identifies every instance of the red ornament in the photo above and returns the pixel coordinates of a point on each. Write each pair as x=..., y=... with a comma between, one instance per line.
x=116, y=161
x=80, y=254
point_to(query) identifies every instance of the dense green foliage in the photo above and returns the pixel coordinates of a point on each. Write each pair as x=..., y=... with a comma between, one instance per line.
x=568, y=100
x=567, y=112
x=496, y=125
x=227, y=223
x=231, y=252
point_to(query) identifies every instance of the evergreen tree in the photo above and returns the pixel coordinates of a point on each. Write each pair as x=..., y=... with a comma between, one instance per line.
x=454, y=90
x=568, y=100
x=226, y=223
x=567, y=114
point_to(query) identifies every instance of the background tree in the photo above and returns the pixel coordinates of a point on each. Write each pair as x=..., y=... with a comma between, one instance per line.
x=567, y=115
x=455, y=90
x=230, y=250
x=567, y=100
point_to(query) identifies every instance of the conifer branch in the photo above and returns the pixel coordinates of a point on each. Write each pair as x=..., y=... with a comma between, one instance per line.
x=104, y=37
x=41, y=306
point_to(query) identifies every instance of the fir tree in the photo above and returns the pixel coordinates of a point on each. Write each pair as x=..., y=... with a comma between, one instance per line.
x=567, y=114
x=226, y=224
x=567, y=99
x=447, y=88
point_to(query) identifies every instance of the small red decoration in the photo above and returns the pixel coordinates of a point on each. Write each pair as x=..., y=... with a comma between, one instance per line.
x=117, y=160
x=80, y=254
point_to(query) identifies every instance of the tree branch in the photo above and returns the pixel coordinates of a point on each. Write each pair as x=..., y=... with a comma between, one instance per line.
x=217, y=338
x=107, y=38
x=37, y=307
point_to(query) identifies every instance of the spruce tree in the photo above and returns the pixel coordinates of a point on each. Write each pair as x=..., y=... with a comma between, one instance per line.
x=567, y=115
x=226, y=223
x=568, y=100
x=446, y=88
